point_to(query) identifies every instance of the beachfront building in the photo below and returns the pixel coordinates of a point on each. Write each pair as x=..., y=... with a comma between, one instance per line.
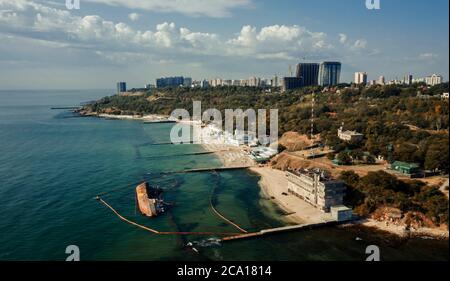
x=316, y=188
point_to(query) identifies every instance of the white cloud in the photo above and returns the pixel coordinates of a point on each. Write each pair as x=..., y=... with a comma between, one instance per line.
x=247, y=37
x=359, y=44
x=278, y=42
x=208, y=8
x=134, y=16
x=342, y=38
x=279, y=33
x=166, y=40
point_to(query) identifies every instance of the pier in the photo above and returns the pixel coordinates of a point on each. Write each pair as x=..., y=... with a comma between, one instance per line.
x=216, y=169
x=66, y=108
x=170, y=143
x=178, y=155
x=271, y=231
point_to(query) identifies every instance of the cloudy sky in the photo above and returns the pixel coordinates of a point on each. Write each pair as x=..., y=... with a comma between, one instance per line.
x=43, y=45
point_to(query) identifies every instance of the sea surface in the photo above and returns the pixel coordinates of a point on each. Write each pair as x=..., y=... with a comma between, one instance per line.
x=53, y=163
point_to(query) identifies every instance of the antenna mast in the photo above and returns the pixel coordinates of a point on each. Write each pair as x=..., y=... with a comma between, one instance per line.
x=313, y=102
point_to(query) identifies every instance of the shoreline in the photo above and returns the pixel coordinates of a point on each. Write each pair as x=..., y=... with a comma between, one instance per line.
x=401, y=232
x=144, y=118
x=230, y=156
x=271, y=184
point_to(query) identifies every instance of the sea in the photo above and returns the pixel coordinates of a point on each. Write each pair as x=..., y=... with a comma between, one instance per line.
x=54, y=163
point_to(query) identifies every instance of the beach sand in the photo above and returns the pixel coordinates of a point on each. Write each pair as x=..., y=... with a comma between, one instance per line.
x=274, y=185
x=230, y=156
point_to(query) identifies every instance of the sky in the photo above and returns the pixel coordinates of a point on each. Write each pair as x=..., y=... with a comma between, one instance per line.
x=45, y=45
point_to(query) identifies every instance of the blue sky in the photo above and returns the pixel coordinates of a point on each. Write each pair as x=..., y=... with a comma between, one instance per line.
x=43, y=45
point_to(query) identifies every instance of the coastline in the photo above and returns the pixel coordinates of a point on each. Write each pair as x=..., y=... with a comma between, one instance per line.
x=144, y=118
x=230, y=156
x=400, y=231
x=273, y=183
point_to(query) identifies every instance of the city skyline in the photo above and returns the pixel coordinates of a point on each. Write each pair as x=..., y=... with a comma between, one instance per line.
x=46, y=46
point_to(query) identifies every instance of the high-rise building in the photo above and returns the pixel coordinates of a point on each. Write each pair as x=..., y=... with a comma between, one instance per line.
x=408, y=80
x=291, y=83
x=381, y=80
x=121, y=87
x=309, y=73
x=254, y=81
x=226, y=82
x=187, y=82
x=204, y=84
x=170, y=82
x=215, y=82
x=329, y=73
x=433, y=80
x=236, y=83
x=361, y=78
x=274, y=82
x=419, y=80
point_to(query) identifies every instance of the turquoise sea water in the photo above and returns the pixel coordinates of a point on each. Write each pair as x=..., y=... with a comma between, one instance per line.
x=53, y=163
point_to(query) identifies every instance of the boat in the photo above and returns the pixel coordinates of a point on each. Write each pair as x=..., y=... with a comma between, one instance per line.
x=149, y=200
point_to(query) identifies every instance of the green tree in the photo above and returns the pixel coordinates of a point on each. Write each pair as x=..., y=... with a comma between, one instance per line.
x=344, y=158
x=437, y=156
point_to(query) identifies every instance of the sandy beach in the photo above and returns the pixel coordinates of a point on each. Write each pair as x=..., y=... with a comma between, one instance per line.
x=274, y=185
x=145, y=118
x=230, y=156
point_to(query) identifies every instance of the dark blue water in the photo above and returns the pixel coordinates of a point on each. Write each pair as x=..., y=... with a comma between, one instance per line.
x=53, y=163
